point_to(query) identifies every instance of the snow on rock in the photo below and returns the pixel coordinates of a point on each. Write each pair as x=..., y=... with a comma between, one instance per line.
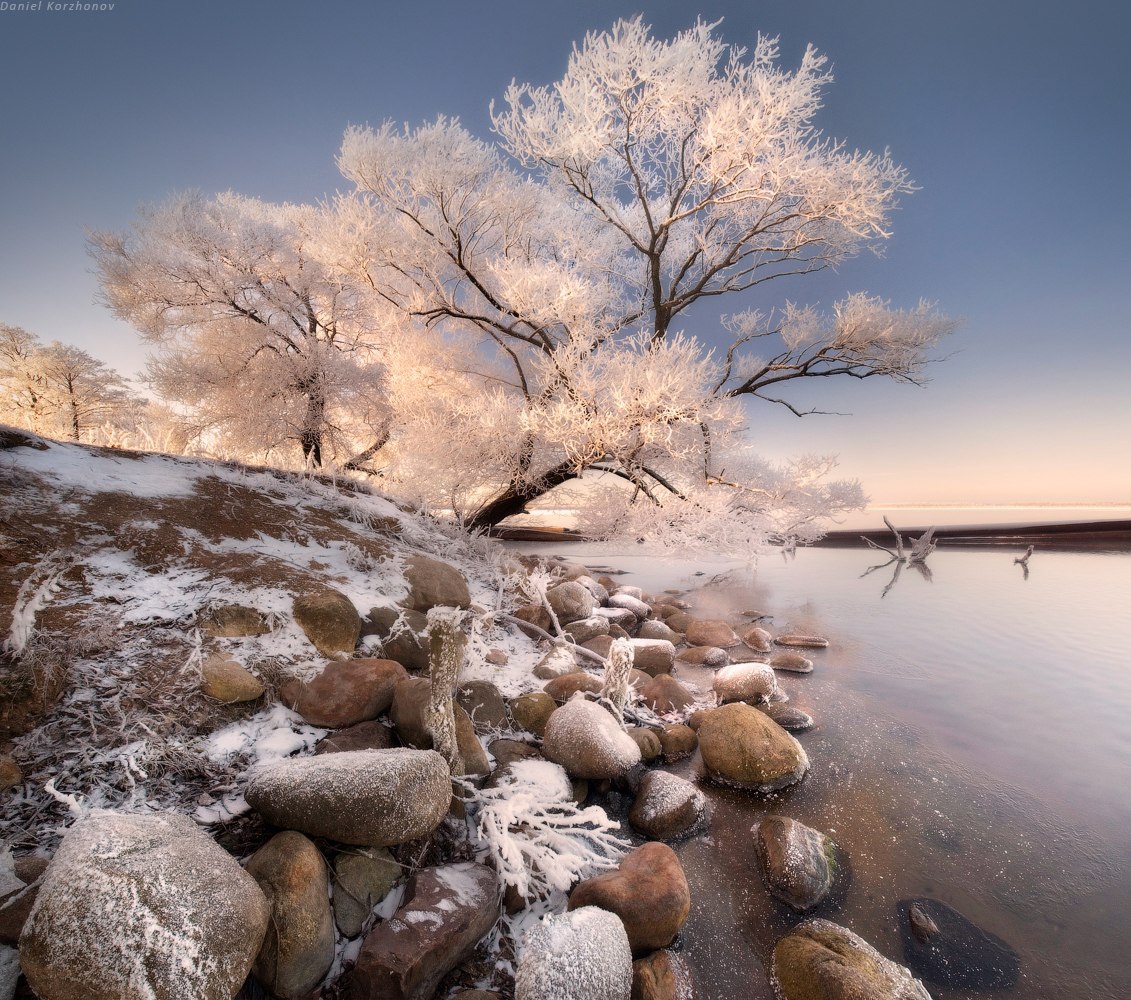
x=588, y=742
x=372, y=798
x=667, y=806
x=745, y=682
x=580, y=955
x=145, y=908
x=9, y=972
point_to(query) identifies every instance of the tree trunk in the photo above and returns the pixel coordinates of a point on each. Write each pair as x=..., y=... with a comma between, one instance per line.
x=311, y=439
x=514, y=498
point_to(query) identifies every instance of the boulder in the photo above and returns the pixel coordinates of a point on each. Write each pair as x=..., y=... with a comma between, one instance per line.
x=558, y=662
x=561, y=689
x=508, y=751
x=745, y=748
x=372, y=798
x=647, y=741
x=797, y=861
x=944, y=947
x=532, y=711
x=802, y=641
x=630, y=591
x=330, y=621
x=663, y=693
x=624, y=617
x=14, y=911
x=745, y=682
x=819, y=959
x=588, y=742
x=707, y=656
x=793, y=662
x=403, y=636
x=10, y=774
x=299, y=946
x=232, y=621
x=580, y=955
x=709, y=632
x=656, y=629
x=483, y=704
x=410, y=701
x=446, y=912
x=571, y=602
x=372, y=735
x=142, y=906
x=601, y=644
x=678, y=741
x=758, y=639
x=433, y=583
x=344, y=692
x=361, y=880
x=677, y=619
x=627, y=602
x=792, y=720
x=667, y=807
x=648, y=891
x=653, y=656
x=227, y=680
x=537, y=616
x=663, y=975
x=599, y=591
x=587, y=628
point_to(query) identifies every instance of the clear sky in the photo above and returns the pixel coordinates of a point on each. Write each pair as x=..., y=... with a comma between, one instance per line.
x=1012, y=116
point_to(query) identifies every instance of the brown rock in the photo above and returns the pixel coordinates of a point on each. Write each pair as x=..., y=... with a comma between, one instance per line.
x=10, y=773
x=664, y=693
x=710, y=632
x=497, y=658
x=663, y=975
x=561, y=689
x=587, y=628
x=345, y=692
x=666, y=806
x=708, y=656
x=648, y=891
x=745, y=682
x=792, y=720
x=794, y=662
x=678, y=742
x=372, y=735
x=677, y=620
x=508, y=751
x=600, y=644
x=14, y=912
x=571, y=602
x=403, y=636
x=433, y=583
x=299, y=945
x=802, y=641
x=228, y=681
x=745, y=748
x=532, y=711
x=795, y=861
x=232, y=621
x=410, y=699
x=647, y=741
x=361, y=880
x=330, y=621
x=758, y=639
x=446, y=912
x=653, y=656
x=483, y=704
x=558, y=661
x=655, y=629
x=537, y=616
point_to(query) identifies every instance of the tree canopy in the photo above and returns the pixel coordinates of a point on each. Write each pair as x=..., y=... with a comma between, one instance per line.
x=503, y=317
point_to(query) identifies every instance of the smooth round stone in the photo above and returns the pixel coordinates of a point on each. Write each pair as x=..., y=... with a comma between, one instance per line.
x=580, y=955
x=708, y=656
x=587, y=741
x=802, y=641
x=758, y=639
x=792, y=720
x=793, y=662
x=795, y=861
x=710, y=632
x=745, y=748
x=745, y=682
x=667, y=806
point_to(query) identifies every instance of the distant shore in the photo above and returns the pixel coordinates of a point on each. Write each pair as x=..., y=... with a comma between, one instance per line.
x=1099, y=534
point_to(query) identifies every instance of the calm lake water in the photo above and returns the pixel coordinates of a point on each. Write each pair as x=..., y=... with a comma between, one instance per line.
x=973, y=744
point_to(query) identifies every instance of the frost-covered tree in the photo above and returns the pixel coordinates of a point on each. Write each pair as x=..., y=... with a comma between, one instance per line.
x=59, y=389
x=259, y=336
x=544, y=276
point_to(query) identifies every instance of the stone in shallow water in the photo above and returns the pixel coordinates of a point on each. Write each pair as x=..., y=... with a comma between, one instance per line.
x=958, y=954
x=795, y=861
x=792, y=720
x=743, y=747
x=802, y=641
x=819, y=959
x=793, y=662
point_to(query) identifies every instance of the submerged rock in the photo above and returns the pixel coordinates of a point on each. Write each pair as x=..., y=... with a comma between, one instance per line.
x=745, y=748
x=796, y=861
x=372, y=798
x=793, y=662
x=142, y=906
x=956, y=953
x=802, y=641
x=792, y=720
x=820, y=959
x=648, y=891
x=580, y=955
x=708, y=656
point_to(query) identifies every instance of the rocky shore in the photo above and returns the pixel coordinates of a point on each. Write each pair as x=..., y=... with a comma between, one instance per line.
x=380, y=761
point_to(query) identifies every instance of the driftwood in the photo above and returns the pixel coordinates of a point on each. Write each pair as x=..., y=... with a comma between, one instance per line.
x=915, y=557
x=1023, y=562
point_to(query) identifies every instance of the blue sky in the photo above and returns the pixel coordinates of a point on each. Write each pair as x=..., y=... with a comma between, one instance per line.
x=1011, y=116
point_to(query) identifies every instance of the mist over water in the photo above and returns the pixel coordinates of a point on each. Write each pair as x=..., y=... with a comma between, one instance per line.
x=973, y=744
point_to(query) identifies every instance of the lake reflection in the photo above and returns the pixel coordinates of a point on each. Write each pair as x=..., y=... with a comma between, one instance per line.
x=973, y=743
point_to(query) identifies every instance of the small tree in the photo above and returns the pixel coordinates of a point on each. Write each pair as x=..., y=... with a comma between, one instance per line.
x=653, y=176
x=258, y=336
x=23, y=399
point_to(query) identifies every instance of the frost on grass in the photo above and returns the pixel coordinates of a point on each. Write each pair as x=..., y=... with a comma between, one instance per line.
x=539, y=840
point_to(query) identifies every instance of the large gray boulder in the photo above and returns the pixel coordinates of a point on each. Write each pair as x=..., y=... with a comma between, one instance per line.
x=299, y=945
x=135, y=907
x=433, y=583
x=580, y=955
x=372, y=798
x=588, y=742
x=446, y=912
x=819, y=959
x=745, y=748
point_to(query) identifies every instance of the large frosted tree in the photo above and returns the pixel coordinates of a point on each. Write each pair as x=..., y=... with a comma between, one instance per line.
x=259, y=337
x=548, y=272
